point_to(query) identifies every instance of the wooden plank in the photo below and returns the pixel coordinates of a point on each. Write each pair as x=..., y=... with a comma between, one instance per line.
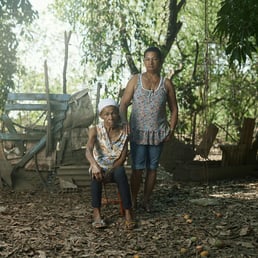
x=208, y=138
x=31, y=152
x=207, y=173
x=37, y=96
x=21, y=137
x=238, y=154
x=9, y=125
x=36, y=148
x=5, y=168
x=246, y=134
x=49, y=142
x=67, y=174
x=75, y=167
x=81, y=177
x=6, y=171
x=40, y=161
x=37, y=107
x=233, y=155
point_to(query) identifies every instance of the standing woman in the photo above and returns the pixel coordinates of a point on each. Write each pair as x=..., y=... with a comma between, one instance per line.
x=148, y=128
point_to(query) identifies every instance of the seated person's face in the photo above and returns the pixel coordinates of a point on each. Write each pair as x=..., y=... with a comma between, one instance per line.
x=110, y=115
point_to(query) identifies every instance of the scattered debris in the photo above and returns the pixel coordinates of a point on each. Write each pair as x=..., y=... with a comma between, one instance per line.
x=59, y=224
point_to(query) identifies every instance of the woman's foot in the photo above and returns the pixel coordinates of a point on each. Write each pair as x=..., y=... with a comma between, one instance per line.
x=129, y=222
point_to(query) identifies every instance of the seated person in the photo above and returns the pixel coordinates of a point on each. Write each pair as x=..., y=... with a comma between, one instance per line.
x=106, y=150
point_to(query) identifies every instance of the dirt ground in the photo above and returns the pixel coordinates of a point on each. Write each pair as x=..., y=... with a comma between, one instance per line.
x=188, y=219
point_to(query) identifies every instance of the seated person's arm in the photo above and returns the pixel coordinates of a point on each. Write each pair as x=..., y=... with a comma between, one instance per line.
x=96, y=169
x=120, y=161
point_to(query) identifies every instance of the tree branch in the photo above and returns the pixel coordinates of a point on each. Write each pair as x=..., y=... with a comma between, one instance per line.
x=128, y=55
x=173, y=25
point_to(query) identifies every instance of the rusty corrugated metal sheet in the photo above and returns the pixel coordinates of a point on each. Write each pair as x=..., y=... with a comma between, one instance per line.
x=73, y=176
x=76, y=176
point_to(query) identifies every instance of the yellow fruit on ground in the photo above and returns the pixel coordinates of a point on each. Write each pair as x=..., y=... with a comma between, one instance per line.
x=183, y=250
x=204, y=253
x=186, y=216
x=189, y=221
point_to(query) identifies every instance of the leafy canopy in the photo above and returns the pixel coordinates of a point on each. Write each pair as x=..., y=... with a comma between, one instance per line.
x=116, y=32
x=238, y=25
x=14, y=16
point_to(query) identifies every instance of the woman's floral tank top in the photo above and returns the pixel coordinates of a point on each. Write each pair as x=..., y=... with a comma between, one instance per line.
x=148, y=121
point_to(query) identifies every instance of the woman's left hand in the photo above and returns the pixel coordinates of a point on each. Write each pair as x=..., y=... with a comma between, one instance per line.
x=169, y=136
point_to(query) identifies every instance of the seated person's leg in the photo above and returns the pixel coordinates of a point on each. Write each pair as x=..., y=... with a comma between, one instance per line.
x=120, y=178
x=96, y=193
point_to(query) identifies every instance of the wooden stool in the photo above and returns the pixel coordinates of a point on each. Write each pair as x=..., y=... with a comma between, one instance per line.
x=233, y=155
x=112, y=198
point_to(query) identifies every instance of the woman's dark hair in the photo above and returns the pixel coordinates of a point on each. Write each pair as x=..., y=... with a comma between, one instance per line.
x=154, y=49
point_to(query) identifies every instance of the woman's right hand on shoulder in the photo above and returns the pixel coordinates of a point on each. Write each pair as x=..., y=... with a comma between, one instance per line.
x=126, y=101
x=126, y=128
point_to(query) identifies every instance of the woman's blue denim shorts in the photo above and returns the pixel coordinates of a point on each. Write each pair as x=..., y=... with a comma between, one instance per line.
x=145, y=156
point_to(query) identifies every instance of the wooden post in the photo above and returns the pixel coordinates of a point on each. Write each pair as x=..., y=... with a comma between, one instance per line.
x=239, y=154
x=208, y=138
x=246, y=134
x=67, y=39
x=97, y=102
x=49, y=136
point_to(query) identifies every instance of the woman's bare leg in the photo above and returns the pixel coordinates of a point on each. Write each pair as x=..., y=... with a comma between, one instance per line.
x=149, y=184
x=136, y=180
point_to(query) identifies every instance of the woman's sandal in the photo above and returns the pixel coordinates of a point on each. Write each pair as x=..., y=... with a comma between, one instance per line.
x=130, y=224
x=99, y=224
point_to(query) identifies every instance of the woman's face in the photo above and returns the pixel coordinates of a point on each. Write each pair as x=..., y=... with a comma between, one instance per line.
x=152, y=61
x=110, y=115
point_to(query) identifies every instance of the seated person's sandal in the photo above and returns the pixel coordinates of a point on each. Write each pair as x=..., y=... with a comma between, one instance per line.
x=99, y=224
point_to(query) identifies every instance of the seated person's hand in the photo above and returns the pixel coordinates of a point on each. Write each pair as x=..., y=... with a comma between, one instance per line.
x=97, y=173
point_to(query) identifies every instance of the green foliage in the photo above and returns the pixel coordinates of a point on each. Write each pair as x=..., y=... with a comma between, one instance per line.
x=115, y=33
x=17, y=11
x=8, y=60
x=13, y=16
x=238, y=96
x=237, y=26
x=194, y=50
x=212, y=91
